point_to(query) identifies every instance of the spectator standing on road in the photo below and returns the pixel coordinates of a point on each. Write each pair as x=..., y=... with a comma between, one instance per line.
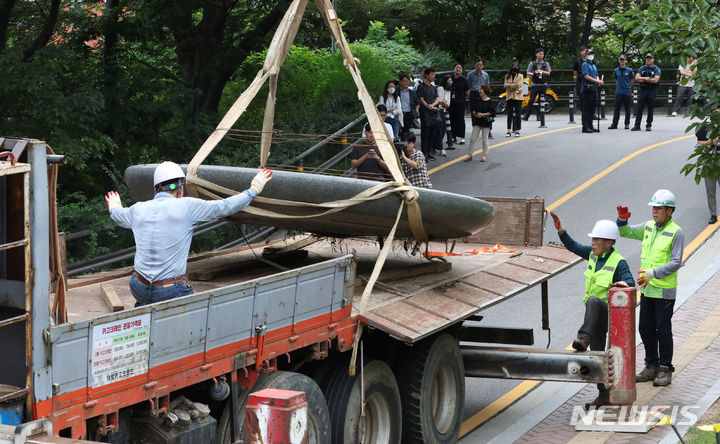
x=513, y=99
x=662, y=248
x=460, y=91
x=483, y=115
x=577, y=75
x=444, y=94
x=539, y=70
x=623, y=91
x=606, y=268
x=589, y=88
x=686, y=84
x=710, y=185
x=477, y=78
x=429, y=113
x=648, y=76
x=367, y=160
x=409, y=104
x=414, y=165
x=391, y=99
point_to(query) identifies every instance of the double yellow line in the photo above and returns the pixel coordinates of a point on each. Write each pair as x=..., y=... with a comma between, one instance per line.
x=524, y=387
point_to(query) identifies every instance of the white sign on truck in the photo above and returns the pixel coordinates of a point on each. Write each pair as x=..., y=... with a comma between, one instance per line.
x=120, y=349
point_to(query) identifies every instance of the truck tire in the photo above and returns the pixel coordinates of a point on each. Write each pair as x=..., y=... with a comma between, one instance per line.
x=318, y=415
x=383, y=416
x=431, y=376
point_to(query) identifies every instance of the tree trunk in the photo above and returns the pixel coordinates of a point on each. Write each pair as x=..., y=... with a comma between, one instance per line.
x=574, y=11
x=588, y=22
x=5, y=13
x=47, y=31
x=110, y=83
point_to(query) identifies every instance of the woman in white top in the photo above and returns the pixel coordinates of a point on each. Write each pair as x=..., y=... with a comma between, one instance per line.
x=391, y=99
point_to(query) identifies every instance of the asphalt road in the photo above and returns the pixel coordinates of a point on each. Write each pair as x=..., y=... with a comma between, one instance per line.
x=551, y=163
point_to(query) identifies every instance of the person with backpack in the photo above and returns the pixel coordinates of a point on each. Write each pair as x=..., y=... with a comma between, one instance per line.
x=539, y=70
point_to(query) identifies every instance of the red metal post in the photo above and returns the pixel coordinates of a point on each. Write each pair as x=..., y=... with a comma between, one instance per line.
x=276, y=416
x=621, y=360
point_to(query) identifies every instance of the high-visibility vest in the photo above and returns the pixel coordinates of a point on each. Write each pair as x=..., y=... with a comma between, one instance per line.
x=597, y=283
x=658, y=253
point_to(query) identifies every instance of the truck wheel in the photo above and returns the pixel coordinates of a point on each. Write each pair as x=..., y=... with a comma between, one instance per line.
x=432, y=386
x=318, y=416
x=383, y=416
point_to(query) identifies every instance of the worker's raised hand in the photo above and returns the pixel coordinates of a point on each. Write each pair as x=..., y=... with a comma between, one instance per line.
x=260, y=180
x=623, y=212
x=558, y=222
x=113, y=200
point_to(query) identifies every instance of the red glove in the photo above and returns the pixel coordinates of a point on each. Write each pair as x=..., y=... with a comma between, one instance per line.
x=642, y=280
x=623, y=213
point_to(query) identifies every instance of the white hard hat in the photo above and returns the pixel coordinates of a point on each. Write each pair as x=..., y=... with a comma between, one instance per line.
x=662, y=198
x=167, y=171
x=605, y=229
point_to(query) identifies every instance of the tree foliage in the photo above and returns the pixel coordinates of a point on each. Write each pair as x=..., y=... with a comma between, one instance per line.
x=682, y=29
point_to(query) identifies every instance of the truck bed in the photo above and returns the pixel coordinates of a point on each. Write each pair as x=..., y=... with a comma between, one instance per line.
x=412, y=299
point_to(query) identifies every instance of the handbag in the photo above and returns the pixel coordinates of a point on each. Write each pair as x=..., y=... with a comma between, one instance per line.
x=432, y=118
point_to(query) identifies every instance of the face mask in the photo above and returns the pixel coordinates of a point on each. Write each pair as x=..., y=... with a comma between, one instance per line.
x=591, y=57
x=515, y=70
x=391, y=90
x=449, y=84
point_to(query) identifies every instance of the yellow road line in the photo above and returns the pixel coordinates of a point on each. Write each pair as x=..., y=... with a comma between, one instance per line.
x=517, y=139
x=609, y=169
x=523, y=388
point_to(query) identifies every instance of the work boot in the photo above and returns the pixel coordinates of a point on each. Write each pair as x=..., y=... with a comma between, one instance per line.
x=600, y=401
x=580, y=344
x=647, y=374
x=663, y=376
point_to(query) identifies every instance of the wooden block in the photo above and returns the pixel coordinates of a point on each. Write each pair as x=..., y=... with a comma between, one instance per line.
x=112, y=300
x=394, y=274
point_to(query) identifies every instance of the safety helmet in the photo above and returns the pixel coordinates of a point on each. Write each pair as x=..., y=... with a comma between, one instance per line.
x=605, y=229
x=167, y=171
x=662, y=198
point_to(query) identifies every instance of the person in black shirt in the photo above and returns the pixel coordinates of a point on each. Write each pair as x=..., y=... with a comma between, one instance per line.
x=429, y=113
x=538, y=70
x=577, y=75
x=710, y=185
x=648, y=76
x=460, y=91
x=367, y=160
x=483, y=115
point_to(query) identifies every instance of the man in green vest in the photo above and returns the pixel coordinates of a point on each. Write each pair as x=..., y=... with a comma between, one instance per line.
x=662, y=247
x=606, y=268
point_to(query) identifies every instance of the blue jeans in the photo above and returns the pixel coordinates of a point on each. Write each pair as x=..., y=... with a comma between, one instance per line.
x=395, y=123
x=147, y=294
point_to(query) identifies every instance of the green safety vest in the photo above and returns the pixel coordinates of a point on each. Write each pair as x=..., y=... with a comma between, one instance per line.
x=597, y=283
x=658, y=253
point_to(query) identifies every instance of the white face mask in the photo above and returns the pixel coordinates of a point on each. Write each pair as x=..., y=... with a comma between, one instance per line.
x=591, y=57
x=391, y=90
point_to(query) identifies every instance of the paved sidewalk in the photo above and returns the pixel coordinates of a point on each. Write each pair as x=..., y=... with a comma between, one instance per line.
x=696, y=328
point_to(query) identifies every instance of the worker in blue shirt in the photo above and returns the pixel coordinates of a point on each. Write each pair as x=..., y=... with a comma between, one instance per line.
x=623, y=91
x=588, y=91
x=163, y=229
x=606, y=268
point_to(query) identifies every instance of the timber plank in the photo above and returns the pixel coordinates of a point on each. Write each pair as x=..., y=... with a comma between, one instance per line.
x=468, y=294
x=390, y=327
x=410, y=317
x=440, y=305
x=111, y=298
x=517, y=273
x=537, y=263
x=494, y=284
x=556, y=253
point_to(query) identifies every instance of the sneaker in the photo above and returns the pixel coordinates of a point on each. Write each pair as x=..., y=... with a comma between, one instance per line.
x=712, y=220
x=507, y=134
x=647, y=374
x=525, y=118
x=434, y=151
x=674, y=113
x=612, y=127
x=580, y=344
x=443, y=153
x=450, y=147
x=430, y=157
x=490, y=136
x=517, y=134
x=663, y=376
x=635, y=128
x=462, y=141
x=627, y=126
x=647, y=128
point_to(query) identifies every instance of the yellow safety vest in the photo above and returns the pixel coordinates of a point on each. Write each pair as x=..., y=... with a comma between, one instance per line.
x=597, y=283
x=658, y=253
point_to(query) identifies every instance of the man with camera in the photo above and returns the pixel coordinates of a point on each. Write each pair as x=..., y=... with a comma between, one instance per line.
x=414, y=164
